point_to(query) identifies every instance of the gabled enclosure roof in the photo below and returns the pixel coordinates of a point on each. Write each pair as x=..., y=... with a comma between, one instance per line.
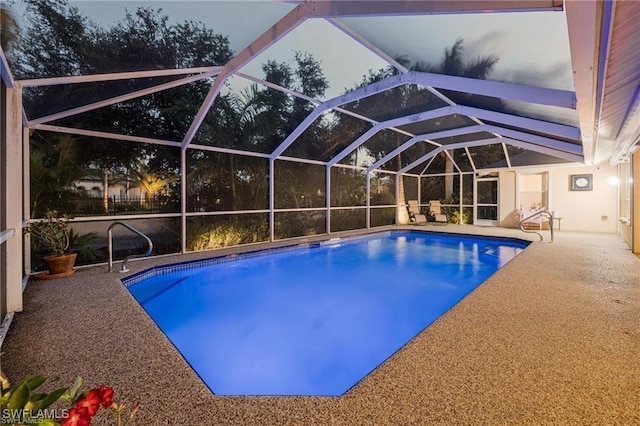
x=545, y=102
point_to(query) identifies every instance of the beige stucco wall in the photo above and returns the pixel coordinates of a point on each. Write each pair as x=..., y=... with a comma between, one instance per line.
x=625, y=211
x=635, y=200
x=507, y=200
x=588, y=211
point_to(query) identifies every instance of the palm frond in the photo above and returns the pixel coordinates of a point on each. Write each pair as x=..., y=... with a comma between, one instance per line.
x=480, y=67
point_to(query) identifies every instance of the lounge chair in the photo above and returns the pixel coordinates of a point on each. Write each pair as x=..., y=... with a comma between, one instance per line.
x=436, y=214
x=414, y=213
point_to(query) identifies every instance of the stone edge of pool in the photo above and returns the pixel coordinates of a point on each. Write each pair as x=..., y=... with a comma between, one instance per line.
x=293, y=244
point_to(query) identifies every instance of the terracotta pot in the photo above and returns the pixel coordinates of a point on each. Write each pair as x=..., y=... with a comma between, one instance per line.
x=60, y=264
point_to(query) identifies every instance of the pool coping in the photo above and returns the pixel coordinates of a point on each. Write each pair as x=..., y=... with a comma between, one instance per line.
x=152, y=271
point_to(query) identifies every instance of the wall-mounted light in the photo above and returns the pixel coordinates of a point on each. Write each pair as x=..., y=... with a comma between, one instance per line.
x=613, y=181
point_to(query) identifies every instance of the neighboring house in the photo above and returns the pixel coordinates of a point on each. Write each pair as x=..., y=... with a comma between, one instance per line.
x=119, y=188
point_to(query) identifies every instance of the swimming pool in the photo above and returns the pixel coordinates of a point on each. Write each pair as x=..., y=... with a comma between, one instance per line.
x=313, y=320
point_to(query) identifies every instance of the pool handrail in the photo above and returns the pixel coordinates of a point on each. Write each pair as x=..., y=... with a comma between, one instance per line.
x=536, y=214
x=131, y=256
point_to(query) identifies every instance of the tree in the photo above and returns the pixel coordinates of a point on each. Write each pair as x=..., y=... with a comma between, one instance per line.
x=150, y=180
x=256, y=119
x=55, y=41
x=305, y=77
x=9, y=28
x=60, y=41
x=54, y=166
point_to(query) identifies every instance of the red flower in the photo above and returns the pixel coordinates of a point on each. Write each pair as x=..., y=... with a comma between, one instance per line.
x=77, y=417
x=106, y=396
x=91, y=402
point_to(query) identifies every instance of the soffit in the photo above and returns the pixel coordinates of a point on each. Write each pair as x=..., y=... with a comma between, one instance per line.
x=622, y=78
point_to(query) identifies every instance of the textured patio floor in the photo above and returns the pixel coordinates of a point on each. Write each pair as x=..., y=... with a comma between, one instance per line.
x=551, y=338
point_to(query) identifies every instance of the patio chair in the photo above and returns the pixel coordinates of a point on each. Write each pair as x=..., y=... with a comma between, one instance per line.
x=436, y=214
x=414, y=213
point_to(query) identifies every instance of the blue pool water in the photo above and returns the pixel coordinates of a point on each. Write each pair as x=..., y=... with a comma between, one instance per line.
x=315, y=321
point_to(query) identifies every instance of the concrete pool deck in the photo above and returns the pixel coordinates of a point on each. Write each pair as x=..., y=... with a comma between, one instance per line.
x=551, y=338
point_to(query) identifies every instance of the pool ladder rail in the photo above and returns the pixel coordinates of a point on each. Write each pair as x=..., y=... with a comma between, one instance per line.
x=131, y=256
x=533, y=216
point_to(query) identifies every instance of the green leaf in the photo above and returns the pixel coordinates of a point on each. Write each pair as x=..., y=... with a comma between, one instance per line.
x=19, y=397
x=51, y=398
x=35, y=381
x=37, y=397
x=76, y=386
x=72, y=395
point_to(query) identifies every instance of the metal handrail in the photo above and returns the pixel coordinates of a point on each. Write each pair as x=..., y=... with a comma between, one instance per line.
x=131, y=256
x=536, y=214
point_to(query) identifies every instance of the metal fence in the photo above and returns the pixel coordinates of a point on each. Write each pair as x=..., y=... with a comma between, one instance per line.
x=116, y=205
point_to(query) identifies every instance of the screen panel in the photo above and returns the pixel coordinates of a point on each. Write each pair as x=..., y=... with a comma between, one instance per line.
x=300, y=223
x=397, y=102
x=348, y=187
x=327, y=136
x=299, y=185
x=382, y=216
x=219, y=181
x=348, y=220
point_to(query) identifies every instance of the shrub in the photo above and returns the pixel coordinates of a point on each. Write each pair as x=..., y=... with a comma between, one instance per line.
x=201, y=236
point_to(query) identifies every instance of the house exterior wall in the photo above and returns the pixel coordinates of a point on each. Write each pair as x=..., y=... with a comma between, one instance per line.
x=582, y=211
x=116, y=189
x=587, y=211
x=635, y=202
x=507, y=200
x=625, y=225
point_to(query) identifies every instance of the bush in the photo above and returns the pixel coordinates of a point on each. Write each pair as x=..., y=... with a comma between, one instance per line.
x=202, y=236
x=453, y=215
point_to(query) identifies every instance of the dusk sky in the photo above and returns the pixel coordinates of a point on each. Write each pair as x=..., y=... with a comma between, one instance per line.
x=533, y=47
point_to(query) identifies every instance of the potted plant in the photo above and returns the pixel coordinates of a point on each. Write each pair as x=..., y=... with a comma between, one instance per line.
x=52, y=234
